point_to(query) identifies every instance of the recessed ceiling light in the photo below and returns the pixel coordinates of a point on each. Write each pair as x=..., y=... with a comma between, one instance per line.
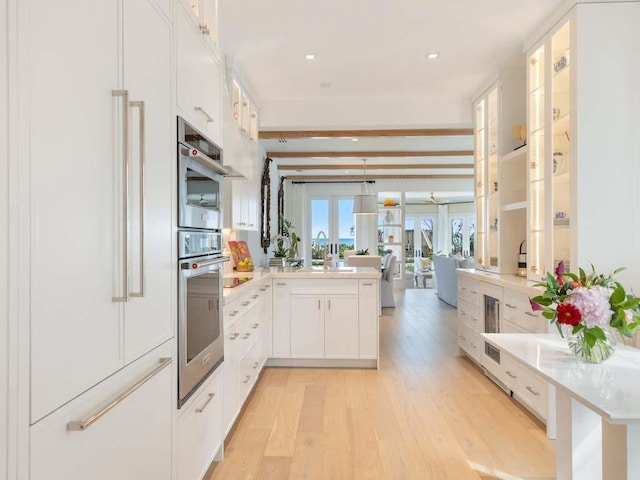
x=354, y=139
x=433, y=55
x=310, y=56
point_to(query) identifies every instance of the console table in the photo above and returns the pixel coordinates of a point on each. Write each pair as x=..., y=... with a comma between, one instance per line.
x=597, y=406
x=424, y=275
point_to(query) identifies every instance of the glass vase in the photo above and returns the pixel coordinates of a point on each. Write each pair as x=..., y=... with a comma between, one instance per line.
x=600, y=351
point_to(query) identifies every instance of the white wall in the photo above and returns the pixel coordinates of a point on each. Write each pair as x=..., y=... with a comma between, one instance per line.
x=4, y=254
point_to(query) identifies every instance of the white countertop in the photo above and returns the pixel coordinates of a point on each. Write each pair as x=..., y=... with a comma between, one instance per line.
x=612, y=388
x=503, y=280
x=266, y=273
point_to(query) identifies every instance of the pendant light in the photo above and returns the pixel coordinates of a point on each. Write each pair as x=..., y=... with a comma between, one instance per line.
x=366, y=203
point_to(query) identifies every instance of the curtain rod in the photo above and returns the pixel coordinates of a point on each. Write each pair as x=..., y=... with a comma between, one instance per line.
x=302, y=182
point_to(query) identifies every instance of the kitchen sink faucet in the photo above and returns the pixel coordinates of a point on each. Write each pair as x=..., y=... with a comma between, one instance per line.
x=325, y=249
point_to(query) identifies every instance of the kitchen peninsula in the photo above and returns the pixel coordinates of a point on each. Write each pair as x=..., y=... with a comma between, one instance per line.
x=297, y=317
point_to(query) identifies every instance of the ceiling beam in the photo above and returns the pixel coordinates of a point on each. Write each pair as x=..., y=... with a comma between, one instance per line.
x=386, y=166
x=407, y=132
x=337, y=178
x=373, y=154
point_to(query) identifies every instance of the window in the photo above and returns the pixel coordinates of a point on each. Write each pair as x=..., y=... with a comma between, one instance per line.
x=333, y=216
x=463, y=235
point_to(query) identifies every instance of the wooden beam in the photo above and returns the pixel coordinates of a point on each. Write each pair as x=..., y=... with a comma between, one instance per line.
x=407, y=132
x=337, y=178
x=373, y=154
x=386, y=166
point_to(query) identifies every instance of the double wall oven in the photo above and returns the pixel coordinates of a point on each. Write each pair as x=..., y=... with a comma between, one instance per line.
x=200, y=259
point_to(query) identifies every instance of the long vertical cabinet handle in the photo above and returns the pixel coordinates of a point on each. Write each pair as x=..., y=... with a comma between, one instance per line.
x=142, y=152
x=125, y=199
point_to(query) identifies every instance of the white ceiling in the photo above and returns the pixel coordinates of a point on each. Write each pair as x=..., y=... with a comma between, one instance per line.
x=371, y=69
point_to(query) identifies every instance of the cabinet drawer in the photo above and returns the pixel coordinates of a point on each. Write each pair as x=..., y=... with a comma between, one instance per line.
x=468, y=314
x=240, y=306
x=468, y=290
x=517, y=310
x=200, y=429
x=533, y=391
x=512, y=372
x=470, y=342
x=325, y=286
x=131, y=440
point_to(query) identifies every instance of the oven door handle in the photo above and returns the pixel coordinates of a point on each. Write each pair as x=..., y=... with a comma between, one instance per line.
x=198, y=265
x=195, y=153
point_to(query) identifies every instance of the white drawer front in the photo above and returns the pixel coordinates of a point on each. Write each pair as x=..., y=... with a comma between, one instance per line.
x=131, y=441
x=517, y=310
x=468, y=290
x=200, y=429
x=533, y=390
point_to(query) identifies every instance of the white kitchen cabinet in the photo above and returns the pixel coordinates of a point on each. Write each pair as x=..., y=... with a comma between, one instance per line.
x=245, y=200
x=79, y=335
x=131, y=441
x=199, y=79
x=368, y=290
x=341, y=327
x=498, y=233
x=246, y=326
x=307, y=326
x=281, y=319
x=200, y=425
x=204, y=16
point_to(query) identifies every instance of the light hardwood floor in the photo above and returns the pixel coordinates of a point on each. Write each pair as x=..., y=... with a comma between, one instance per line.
x=425, y=414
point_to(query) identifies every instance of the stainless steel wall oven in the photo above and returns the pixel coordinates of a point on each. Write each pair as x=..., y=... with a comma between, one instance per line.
x=200, y=259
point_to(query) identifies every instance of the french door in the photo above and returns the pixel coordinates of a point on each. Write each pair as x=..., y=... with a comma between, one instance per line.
x=331, y=214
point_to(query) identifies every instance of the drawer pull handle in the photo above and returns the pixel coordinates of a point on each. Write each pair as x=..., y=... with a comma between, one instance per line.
x=508, y=372
x=255, y=296
x=246, y=379
x=474, y=292
x=367, y=284
x=206, y=403
x=244, y=304
x=531, y=314
x=233, y=336
x=533, y=391
x=464, y=288
x=255, y=365
x=267, y=287
x=255, y=325
x=263, y=289
x=509, y=305
x=462, y=312
x=246, y=335
x=474, y=319
x=80, y=425
x=234, y=313
x=281, y=284
x=205, y=114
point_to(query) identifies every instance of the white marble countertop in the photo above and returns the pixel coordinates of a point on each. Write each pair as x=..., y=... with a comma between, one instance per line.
x=611, y=388
x=265, y=273
x=503, y=280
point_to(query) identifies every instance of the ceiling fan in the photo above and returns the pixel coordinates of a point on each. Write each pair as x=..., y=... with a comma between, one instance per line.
x=432, y=199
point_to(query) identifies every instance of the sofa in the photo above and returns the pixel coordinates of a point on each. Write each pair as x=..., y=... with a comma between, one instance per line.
x=447, y=278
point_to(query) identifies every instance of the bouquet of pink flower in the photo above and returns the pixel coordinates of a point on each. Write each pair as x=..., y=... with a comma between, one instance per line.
x=591, y=304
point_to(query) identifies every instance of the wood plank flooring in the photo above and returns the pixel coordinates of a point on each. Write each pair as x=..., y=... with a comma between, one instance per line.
x=425, y=414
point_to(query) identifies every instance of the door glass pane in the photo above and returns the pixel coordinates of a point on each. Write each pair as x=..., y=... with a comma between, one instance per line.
x=346, y=226
x=202, y=309
x=319, y=223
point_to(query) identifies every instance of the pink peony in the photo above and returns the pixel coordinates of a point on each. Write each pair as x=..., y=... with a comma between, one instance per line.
x=593, y=304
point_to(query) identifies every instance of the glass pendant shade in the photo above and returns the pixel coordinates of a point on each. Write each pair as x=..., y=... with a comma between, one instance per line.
x=366, y=203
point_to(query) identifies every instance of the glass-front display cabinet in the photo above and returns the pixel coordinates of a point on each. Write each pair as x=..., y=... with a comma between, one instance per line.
x=549, y=106
x=496, y=112
x=391, y=228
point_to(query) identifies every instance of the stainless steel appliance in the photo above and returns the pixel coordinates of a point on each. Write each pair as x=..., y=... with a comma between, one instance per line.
x=491, y=325
x=200, y=259
x=200, y=174
x=200, y=339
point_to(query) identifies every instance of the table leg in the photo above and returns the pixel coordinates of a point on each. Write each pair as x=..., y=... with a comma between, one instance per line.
x=579, y=440
x=619, y=451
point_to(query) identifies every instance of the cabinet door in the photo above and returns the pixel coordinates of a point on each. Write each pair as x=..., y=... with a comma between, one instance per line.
x=341, y=326
x=131, y=441
x=307, y=326
x=368, y=318
x=281, y=319
x=267, y=320
x=147, y=75
x=75, y=326
x=200, y=429
x=198, y=79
